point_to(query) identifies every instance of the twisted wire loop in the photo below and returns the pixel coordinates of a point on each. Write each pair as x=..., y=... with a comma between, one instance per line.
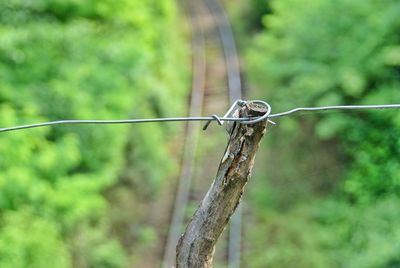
x=246, y=121
x=220, y=121
x=216, y=118
x=259, y=118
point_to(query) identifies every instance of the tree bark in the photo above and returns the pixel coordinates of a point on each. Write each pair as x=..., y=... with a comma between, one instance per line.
x=196, y=246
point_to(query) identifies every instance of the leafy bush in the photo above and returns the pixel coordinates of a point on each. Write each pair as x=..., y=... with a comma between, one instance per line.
x=22, y=242
x=327, y=233
x=338, y=52
x=80, y=60
x=331, y=193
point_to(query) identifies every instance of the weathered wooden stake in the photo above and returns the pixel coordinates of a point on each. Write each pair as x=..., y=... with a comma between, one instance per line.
x=196, y=246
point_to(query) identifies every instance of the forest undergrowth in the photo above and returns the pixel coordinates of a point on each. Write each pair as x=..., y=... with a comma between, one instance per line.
x=326, y=187
x=83, y=60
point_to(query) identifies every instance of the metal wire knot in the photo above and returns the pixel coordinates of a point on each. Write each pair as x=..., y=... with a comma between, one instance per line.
x=216, y=117
x=242, y=103
x=261, y=118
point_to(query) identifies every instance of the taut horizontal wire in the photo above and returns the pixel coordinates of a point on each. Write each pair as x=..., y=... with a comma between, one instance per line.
x=337, y=107
x=203, y=118
x=125, y=121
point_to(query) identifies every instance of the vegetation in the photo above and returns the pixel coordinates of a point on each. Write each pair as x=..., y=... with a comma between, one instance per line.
x=326, y=189
x=333, y=202
x=81, y=60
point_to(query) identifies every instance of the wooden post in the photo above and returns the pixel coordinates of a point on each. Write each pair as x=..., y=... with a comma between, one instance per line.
x=196, y=246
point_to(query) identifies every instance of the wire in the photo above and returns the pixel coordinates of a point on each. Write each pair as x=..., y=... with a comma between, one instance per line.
x=338, y=107
x=249, y=120
x=127, y=121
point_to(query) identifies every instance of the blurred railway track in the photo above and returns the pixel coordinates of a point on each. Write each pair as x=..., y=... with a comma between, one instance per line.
x=191, y=137
x=216, y=84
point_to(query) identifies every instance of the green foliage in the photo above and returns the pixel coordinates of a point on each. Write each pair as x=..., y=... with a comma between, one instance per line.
x=81, y=60
x=22, y=242
x=332, y=190
x=338, y=52
x=251, y=13
x=328, y=234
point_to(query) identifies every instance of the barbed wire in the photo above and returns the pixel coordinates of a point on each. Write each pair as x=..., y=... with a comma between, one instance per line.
x=226, y=118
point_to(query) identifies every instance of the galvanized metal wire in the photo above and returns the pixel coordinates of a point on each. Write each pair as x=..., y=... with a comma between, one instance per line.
x=337, y=107
x=227, y=117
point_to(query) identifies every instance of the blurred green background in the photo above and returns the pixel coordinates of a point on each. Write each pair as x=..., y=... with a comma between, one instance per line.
x=326, y=186
x=84, y=60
